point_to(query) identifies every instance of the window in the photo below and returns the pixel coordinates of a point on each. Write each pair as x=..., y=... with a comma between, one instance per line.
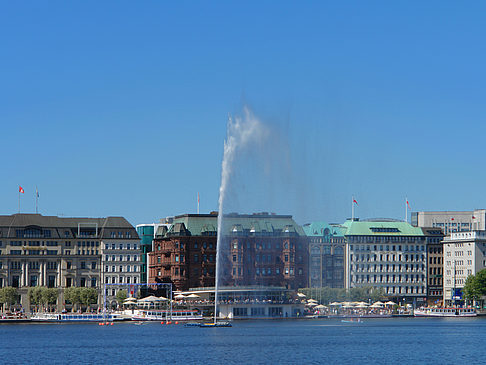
x=93, y=282
x=68, y=265
x=83, y=265
x=93, y=265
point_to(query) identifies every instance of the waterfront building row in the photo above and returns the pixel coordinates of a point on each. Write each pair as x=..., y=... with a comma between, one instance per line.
x=61, y=252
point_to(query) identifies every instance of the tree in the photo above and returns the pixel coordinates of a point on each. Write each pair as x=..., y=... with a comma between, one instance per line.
x=471, y=288
x=35, y=296
x=88, y=296
x=71, y=295
x=49, y=296
x=9, y=296
x=121, y=295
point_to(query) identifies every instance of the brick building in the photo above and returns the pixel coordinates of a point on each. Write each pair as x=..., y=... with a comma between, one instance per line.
x=258, y=249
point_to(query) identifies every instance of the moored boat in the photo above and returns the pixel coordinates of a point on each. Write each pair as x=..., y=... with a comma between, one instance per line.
x=445, y=312
x=163, y=315
x=75, y=317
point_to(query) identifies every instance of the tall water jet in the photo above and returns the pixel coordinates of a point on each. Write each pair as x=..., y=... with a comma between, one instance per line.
x=242, y=132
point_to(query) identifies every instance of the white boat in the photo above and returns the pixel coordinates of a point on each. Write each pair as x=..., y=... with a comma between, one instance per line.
x=445, y=312
x=164, y=315
x=75, y=317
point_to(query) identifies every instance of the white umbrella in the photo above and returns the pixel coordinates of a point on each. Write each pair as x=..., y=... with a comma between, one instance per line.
x=312, y=300
x=179, y=296
x=376, y=306
x=378, y=303
x=129, y=299
x=335, y=303
x=320, y=306
x=193, y=296
x=390, y=303
x=151, y=299
x=311, y=304
x=128, y=302
x=302, y=295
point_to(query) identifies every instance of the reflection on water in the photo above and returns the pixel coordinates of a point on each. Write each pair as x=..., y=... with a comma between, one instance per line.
x=375, y=341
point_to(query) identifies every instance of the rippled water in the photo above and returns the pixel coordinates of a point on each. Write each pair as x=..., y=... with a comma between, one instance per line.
x=375, y=341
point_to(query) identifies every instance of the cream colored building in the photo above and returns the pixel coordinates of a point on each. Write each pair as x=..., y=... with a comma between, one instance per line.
x=464, y=255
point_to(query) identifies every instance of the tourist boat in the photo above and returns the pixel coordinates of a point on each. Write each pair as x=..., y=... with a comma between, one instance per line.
x=164, y=315
x=352, y=320
x=75, y=317
x=445, y=312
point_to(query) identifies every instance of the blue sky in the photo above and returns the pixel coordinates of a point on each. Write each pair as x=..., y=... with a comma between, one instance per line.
x=119, y=108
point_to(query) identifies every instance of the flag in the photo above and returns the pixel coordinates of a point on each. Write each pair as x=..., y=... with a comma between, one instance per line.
x=473, y=217
x=355, y=202
x=198, y=197
x=21, y=189
x=452, y=219
x=408, y=205
x=36, y=192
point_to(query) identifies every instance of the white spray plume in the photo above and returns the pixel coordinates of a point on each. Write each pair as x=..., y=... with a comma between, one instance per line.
x=242, y=133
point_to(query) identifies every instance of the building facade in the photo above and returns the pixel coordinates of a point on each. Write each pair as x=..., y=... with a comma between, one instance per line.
x=464, y=255
x=259, y=249
x=435, y=265
x=387, y=254
x=326, y=254
x=56, y=252
x=451, y=221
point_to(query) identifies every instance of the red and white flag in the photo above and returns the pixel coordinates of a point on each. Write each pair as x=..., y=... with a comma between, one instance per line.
x=355, y=202
x=21, y=189
x=408, y=204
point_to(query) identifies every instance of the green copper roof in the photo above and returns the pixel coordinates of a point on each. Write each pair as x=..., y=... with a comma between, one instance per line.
x=320, y=229
x=259, y=224
x=382, y=228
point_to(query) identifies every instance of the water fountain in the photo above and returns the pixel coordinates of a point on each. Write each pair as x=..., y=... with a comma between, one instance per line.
x=242, y=133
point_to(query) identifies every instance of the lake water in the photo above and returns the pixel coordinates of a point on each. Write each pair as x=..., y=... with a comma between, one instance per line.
x=375, y=341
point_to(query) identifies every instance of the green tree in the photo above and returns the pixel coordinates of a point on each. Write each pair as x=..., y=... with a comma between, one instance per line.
x=49, y=296
x=35, y=296
x=88, y=296
x=9, y=296
x=471, y=288
x=71, y=295
x=121, y=295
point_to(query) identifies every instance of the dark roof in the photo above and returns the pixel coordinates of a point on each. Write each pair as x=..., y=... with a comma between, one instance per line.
x=10, y=223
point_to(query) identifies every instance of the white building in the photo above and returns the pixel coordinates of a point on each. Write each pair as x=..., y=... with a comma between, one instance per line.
x=451, y=221
x=464, y=255
x=388, y=254
x=120, y=260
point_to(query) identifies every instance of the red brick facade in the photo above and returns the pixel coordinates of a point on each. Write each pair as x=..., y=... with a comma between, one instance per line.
x=190, y=261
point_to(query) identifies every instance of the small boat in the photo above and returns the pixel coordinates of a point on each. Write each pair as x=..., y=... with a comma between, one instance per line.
x=217, y=324
x=192, y=324
x=352, y=320
x=445, y=312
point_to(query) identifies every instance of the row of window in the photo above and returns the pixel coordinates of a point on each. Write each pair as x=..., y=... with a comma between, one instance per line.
x=387, y=248
x=122, y=268
x=388, y=278
x=121, y=280
x=121, y=246
x=121, y=258
x=388, y=268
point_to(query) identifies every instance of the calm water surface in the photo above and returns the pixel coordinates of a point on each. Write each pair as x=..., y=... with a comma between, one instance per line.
x=375, y=341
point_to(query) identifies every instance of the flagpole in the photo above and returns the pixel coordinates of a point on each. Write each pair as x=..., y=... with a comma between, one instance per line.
x=406, y=209
x=19, y=201
x=197, y=202
x=352, y=208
